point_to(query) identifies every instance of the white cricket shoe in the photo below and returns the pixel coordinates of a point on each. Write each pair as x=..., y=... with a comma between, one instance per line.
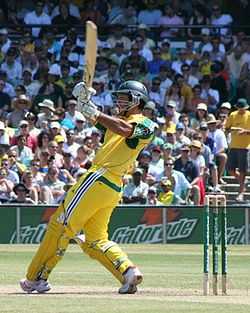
x=133, y=277
x=40, y=286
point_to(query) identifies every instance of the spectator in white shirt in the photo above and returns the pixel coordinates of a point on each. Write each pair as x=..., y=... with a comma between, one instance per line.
x=73, y=9
x=38, y=16
x=135, y=192
x=220, y=19
x=143, y=50
x=220, y=146
x=209, y=95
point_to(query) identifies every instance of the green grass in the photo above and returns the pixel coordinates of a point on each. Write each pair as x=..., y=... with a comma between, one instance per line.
x=172, y=282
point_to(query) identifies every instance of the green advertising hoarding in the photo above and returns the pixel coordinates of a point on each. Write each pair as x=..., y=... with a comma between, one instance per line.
x=127, y=225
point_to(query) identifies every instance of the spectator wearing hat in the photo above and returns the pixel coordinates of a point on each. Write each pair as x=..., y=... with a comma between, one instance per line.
x=6, y=186
x=47, y=111
x=12, y=67
x=225, y=108
x=21, y=195
x=206, y=139
x=60, y=140
x=196, y=157
x=23, y=152
x=200, y=115
x=21, y=105
x=220, y=146
x=30, y=140
x=167, y=151
x=149, y=15
x=180, y=185
x=152, y=199
x=238, y=124
x=166, y=195
x=185, y=165
x=149, y=110
x=135, y=192
x=38, y=16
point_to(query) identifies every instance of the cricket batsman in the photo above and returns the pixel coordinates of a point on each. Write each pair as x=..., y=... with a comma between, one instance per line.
x=85, y=212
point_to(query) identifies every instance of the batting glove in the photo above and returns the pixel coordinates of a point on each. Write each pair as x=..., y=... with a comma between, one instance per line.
x=83, y=93
x=90, y=111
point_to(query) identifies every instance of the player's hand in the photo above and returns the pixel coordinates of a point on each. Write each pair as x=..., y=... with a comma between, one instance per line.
x=82, y=92
x=90, y=111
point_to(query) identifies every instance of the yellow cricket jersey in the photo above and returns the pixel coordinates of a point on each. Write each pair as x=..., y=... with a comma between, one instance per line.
x=166, y=197
x=243, y=121
x=118, y=154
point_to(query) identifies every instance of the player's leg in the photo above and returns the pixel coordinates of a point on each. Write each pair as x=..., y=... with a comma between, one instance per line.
x=50, y=251
x=108, y=253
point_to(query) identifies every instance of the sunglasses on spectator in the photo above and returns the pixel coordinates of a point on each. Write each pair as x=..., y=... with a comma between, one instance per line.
x=168, y=164
x=23, y=126
x=20, y=190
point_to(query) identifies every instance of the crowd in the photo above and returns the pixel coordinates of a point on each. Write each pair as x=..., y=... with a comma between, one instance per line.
x=197, y=94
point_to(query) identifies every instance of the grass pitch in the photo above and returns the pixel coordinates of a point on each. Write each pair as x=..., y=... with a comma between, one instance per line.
x=172, y=282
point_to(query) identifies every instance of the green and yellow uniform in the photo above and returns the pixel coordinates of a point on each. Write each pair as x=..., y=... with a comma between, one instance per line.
x=83, y=211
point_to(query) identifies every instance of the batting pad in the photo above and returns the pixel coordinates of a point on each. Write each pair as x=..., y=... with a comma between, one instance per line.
x=110, y=255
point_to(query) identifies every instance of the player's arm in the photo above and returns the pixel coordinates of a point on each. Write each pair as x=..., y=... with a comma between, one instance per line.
x=116, y=125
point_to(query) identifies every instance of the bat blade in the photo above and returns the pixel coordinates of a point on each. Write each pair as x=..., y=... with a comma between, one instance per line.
x=90, y=53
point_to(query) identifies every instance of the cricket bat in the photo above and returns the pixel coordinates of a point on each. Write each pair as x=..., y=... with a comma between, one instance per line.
x=90, y=53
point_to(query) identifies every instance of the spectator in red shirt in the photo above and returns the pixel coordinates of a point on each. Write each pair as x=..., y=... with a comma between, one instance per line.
x=31, y=141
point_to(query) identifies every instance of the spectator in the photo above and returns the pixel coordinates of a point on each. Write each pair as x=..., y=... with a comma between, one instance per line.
x=73, y=9
x=32, y=86
x=14, y=164
x=47, y=112
x=199, y=17
x=64, y=18
x=31, y=186
x=170, y=19
x=181, y=138
x=126, y=17
x=71, y=111
x=118, y=36
x=152, y=199
x=187, y=167
x=4, y=98
x=143, y=31
x=143, y=50
x=23, y=152
x=24, y=131
x=155, y=93
x=174, y=95
x=82, y=159
x=21, y=195
x=6, y=186
x=11, y=175
x=186, y=90
x=156, y=164
x=166, y=195
x=218, y=81
x=155, y=64
x=190, y=80
x=32, y=119
x=70, y=145
x=150, y=15
x=180, y=185
x=220, y=19
x=12, y=67
x=52, y=148
x=238, y=123
x=220, y=146
x=118, y=54
x=200, y=115
x=5, y=42
x=209, y=95
x=165, y=75
x=136, y=191
x=52, y=188
x=38, y=16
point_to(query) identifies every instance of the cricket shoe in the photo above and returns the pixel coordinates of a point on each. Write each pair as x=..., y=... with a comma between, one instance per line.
x=40, y=285
x=132, y=277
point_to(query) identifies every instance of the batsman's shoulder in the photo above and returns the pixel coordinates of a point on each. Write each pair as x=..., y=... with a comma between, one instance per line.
x=144, y=128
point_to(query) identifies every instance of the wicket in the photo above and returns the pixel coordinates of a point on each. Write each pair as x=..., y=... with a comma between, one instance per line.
x=218, y=205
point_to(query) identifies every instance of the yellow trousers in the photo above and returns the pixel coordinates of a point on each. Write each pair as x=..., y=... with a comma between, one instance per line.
x=87, y=208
